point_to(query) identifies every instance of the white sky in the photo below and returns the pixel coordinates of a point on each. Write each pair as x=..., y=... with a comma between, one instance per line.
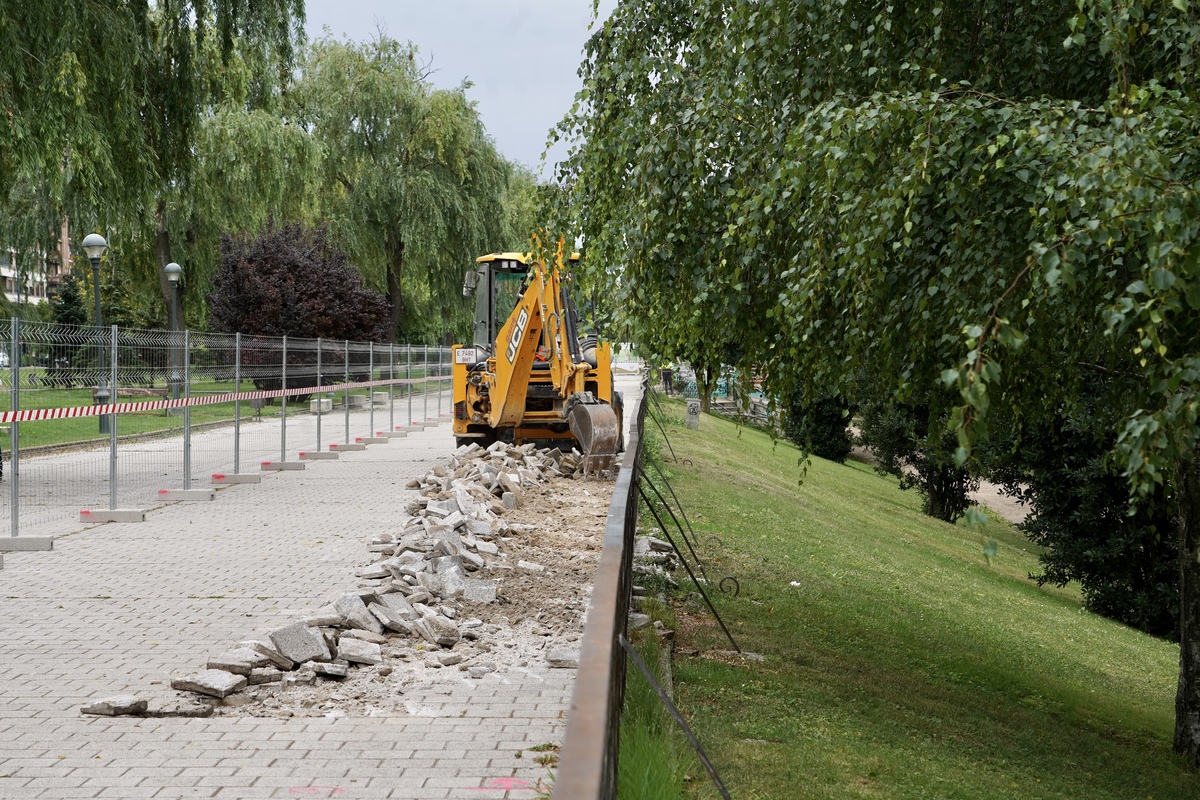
x=522, y=55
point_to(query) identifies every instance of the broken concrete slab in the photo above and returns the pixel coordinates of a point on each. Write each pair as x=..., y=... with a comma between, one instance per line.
x=258, y=677
x=117, y=706
x=359, y=652
x=211, y=682
x=354, y=611
x=366, y=636
x=270, y=652
x=562, y=659
x=389, y=618
x=194, y=707
x=239, y=661
x=300, y=643
x=443, y=631
x=480, y=591
x=331, y=670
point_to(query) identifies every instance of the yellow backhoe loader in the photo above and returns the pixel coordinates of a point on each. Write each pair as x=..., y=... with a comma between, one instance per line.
x=529, y=375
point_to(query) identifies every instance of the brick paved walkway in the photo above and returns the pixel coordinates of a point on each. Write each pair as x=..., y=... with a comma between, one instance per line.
x=116, y=607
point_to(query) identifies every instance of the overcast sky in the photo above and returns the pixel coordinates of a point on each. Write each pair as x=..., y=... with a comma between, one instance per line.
x=522, y=55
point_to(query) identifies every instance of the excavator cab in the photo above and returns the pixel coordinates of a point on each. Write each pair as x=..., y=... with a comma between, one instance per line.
x=497, y=286
x=528, y=375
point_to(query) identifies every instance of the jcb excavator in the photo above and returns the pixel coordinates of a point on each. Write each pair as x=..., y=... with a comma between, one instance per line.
x=529, y=375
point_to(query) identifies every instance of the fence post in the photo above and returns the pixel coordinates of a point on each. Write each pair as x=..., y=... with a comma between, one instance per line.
x=112, y=425
x=408, y=377
x=320, y=394
x=391, y=387
x=237, y=403
x=371, y=388
x=187, y=410
x=14, y=470
x=439, y=382
x=283, y=409
x=425, y=384
x=346, y=392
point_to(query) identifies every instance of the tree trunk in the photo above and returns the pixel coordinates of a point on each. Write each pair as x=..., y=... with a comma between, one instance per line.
x=1187, y=697
x=395, y=297
x=705, y=383
x=162, y=253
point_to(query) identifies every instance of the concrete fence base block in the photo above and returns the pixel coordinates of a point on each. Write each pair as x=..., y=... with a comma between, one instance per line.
x=392, y=434
x=280, y=466
x=306, y=456
x=406, y=428
x=187, y=495
x=112, y=515
x=371, y=440
x=344, y=447
x=25, y=544
x=239, y=477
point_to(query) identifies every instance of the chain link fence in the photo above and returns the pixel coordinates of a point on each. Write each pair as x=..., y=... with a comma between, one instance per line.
x=107, y=417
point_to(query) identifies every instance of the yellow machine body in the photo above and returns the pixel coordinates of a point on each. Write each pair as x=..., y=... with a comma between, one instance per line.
x=529, y=376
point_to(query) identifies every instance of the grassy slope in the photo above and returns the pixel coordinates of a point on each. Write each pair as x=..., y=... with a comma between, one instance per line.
x=903, y=665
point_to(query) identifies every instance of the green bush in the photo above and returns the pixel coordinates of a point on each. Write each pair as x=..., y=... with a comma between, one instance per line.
x=821, y=427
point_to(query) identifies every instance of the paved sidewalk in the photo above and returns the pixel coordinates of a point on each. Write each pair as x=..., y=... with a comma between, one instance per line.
x=116, y=607
x=55, y=486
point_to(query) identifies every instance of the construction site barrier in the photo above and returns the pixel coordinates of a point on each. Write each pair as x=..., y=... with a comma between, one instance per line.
x=168, y=406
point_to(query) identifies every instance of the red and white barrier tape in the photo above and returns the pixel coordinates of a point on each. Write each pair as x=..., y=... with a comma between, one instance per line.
x=40, y=414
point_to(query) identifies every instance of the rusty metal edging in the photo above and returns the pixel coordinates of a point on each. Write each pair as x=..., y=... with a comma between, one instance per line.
x=587, y=766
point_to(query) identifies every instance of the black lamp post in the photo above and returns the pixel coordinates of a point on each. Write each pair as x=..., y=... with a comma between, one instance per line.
x=95, y=247
x=174, y=274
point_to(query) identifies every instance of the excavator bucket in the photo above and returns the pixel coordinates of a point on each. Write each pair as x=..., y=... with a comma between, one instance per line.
x=596, y=428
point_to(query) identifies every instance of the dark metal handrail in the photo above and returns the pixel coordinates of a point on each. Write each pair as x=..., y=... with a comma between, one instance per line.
x=587, y=767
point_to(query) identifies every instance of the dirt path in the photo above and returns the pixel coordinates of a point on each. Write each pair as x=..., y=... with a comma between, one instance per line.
x=988, y=494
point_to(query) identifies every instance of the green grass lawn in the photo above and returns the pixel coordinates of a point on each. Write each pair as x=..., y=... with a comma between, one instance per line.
x=901, y=664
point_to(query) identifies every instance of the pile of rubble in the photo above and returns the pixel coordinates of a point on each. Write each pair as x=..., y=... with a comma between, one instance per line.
x=423, y=600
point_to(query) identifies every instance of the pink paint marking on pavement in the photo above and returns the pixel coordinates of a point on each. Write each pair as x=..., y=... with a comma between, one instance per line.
x=502, y=783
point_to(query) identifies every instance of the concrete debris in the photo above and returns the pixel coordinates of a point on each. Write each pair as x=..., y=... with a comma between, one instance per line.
x=331, y=669
x=447, y=560
x=120, y=705
x=638, y=621
x=183, y=706
x=562, y=659
x=357, y=651
x=354, y=612
x=300, y=643
x=265, y=675
x=212, y=682
x=239, y=661
x=270, y=652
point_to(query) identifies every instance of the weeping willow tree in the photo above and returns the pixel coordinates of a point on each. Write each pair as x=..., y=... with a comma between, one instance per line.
x=980, y=204
x=104, y=104
x=410, y=183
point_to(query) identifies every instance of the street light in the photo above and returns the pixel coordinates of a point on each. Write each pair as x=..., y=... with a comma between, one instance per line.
x=95, y=247
x=174, y=274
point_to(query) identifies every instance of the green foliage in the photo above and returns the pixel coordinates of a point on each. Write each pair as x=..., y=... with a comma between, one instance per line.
x=920, y=452
x=104, y=101
x=821, y=427
x=1126, y=560
x=651, y=763
x=410, y=183
x=70, y=307
x=975, y=204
